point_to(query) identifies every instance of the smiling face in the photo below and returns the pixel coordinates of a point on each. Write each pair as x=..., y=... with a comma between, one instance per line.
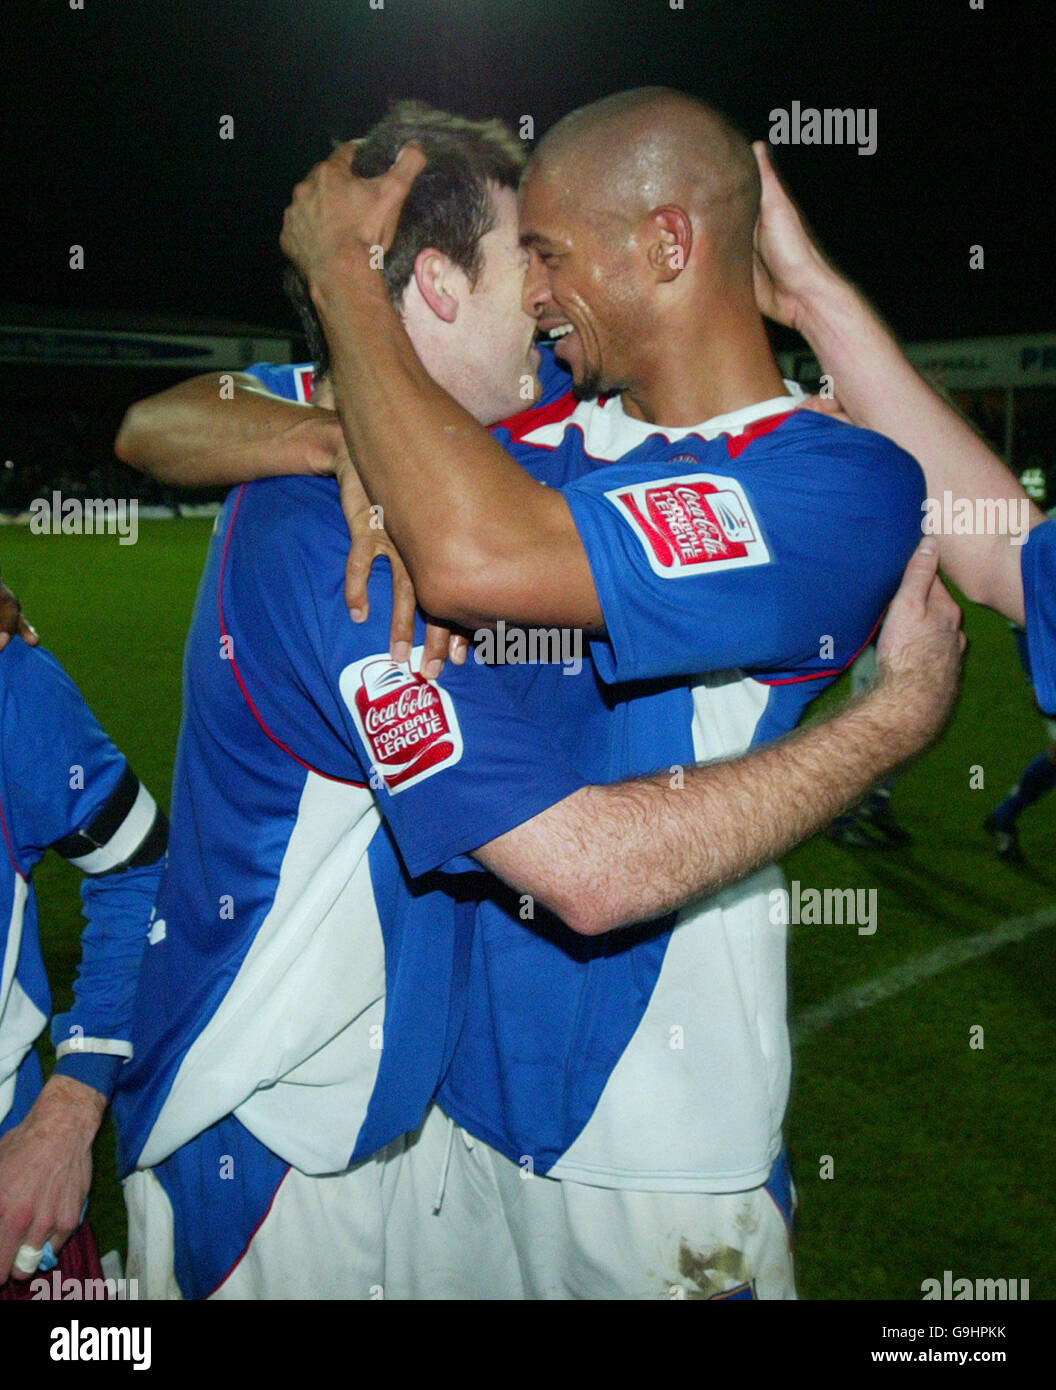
x=473, y=336
x=497, y=335
x=584, y=283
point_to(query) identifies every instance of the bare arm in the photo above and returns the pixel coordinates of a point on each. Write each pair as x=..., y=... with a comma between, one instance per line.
x=880, y=389
x=226, y=428
x=480, y=537
x=730, y=818
x=46, y=1170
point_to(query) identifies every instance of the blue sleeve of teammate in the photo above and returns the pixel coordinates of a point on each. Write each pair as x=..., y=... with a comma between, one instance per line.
x=781, y=560
x=291, y=381
x=454, y=763
x=92, y=1041
x=72, y=790
x=1039, y=596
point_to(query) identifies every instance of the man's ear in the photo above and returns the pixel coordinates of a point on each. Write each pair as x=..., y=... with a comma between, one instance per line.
x=668, y=237
x=433, y=274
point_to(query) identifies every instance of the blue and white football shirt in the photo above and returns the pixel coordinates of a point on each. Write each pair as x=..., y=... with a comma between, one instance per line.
x=64, y=785
x=768, y=542
x=296, y=977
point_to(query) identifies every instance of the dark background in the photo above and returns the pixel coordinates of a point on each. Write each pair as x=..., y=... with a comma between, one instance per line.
x=111, y=131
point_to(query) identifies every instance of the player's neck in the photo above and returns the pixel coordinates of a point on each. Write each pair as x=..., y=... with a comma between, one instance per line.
x=706, y=370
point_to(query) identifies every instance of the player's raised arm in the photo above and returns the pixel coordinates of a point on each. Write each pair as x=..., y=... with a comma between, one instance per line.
x=224, y=428
x=688, y=839
x=481, y=539
x=880, y=389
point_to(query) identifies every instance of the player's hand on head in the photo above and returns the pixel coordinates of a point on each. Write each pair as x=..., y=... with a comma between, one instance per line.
x=787, y=260
x=921, y=646
x=13, y=622
x=335, y=215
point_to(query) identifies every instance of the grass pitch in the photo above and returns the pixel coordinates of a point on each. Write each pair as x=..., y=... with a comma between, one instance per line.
x=937, y=1150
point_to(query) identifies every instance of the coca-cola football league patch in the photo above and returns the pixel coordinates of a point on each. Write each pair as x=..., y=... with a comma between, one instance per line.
x=688, y=525
x=407, y=723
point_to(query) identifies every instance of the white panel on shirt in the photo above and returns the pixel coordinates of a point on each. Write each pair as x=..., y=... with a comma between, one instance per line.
x=289, y=1050
x=696, y=1102
x=20, y=1020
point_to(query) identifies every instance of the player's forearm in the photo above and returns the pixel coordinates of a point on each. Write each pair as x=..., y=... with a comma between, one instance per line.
x=470, y=524
x=72, y=1107
x=225, y=429
x=685, y=834
x=881, y=390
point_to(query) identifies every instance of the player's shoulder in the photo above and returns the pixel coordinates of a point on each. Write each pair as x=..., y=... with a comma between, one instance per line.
x=811, y=432
x=35, y=673
x=285, y=545
x=44, y=717
x=286, y=510
x=281, y=539
x=829, y=451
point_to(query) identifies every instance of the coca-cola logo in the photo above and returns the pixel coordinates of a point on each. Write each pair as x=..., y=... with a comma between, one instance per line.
x=408, y=702
x=408, y=724
x=686, y=523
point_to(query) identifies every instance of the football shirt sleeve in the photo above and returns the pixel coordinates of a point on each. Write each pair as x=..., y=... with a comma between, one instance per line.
x=73, y=791
x=453, y=764
x=292, y=382
x=781, y=560
x=1039, y=596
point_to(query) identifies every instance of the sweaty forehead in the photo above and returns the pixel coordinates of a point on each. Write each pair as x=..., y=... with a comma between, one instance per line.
x=547, y=206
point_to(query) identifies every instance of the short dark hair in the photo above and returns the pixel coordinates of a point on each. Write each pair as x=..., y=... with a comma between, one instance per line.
x=449, y=206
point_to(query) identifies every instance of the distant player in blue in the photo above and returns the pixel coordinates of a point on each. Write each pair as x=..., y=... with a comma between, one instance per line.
x=1039, y=776
x=63, y=786
x=1039, y=594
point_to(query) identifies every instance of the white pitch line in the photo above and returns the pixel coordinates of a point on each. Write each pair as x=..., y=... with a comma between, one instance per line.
x=911, y=972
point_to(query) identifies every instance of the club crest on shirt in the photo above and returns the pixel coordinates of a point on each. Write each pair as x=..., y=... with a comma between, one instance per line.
x=689, y=523
x=408, y=724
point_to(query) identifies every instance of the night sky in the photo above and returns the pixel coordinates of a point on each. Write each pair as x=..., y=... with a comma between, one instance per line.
x=112, y=132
